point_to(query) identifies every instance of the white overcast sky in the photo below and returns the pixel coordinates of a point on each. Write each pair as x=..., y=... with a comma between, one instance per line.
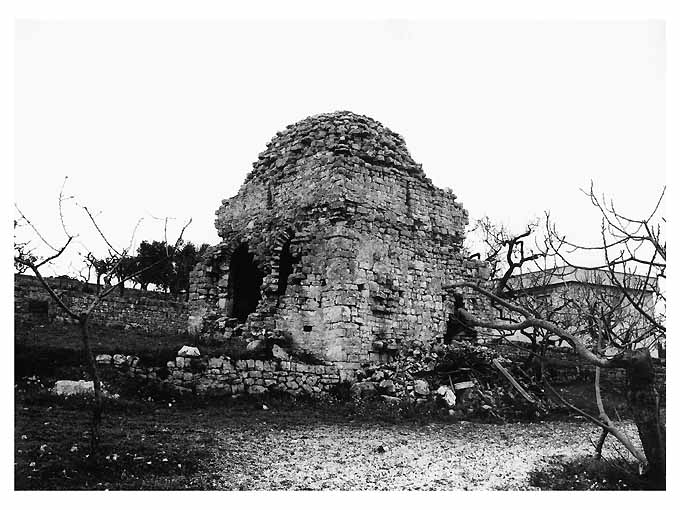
x=165, y=118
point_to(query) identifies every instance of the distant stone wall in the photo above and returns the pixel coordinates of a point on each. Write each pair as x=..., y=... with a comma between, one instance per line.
x=571, y=368
x=152, y=312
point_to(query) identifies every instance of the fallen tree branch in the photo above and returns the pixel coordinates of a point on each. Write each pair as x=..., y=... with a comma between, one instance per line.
x=512, y=380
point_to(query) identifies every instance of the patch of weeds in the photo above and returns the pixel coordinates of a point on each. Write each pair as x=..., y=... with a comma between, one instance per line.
x=401, y=411
x=341, y=391
x=129, y=387
x=49, y=363
x=588, y=473
x=53, y=348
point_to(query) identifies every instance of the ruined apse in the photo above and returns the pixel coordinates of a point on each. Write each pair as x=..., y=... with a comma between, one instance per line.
x=337, y=244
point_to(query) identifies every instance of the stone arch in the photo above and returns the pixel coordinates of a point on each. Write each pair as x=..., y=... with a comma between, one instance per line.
x=220, y=273
x=219, y=265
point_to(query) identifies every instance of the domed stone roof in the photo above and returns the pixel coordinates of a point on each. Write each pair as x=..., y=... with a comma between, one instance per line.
x=343, y=133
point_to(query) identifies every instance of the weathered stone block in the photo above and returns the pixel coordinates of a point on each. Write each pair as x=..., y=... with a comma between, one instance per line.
x=215, y=362
x=256, y=389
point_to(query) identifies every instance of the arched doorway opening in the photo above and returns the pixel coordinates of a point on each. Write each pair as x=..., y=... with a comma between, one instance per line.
x=245, y=280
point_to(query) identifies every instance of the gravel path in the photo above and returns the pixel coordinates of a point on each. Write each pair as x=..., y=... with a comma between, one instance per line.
x=358, y=456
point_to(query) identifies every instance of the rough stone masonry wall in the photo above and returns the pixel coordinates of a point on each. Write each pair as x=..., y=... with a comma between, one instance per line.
x=152, y=312
x=372, y=239
x=222, y=376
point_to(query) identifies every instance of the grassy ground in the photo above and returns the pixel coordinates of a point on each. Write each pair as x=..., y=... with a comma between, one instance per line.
x=55, y=350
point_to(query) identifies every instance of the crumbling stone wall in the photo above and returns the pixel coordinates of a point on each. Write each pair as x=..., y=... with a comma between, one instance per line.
x=153, y=312
x=351, y=246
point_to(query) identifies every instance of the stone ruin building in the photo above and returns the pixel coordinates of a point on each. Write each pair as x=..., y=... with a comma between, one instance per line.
x=337, y=244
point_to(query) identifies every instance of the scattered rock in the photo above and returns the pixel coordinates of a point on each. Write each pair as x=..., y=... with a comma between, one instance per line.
x=104, y=358
x=362, y=389
x=421, y=387
x=189, y=351
x=255, y=345
x=390, y=400
x=67, y=388
x=387, y=386
x=279, y=353
x=447, y=395
x=463, y=385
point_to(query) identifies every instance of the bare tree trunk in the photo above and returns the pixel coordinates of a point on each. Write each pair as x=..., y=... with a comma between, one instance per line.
x=600, y=405
x=98, y=404
x=643, y=400
x=603, y=415
x=600, y=443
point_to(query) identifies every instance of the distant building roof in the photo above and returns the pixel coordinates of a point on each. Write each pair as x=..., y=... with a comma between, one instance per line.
x=562, y=275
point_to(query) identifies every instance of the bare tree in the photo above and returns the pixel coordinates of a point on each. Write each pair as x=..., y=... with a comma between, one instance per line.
x=101, y=267
x=26, y=257
x=634, y=260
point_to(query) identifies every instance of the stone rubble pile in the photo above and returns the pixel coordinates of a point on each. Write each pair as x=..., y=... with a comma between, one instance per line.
x=460, y=377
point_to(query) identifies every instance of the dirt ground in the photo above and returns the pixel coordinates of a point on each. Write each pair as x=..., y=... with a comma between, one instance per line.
x=160, y=445
x=347, y=456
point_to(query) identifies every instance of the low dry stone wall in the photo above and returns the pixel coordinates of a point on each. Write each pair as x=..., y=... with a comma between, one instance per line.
x=203, y=375
x=563, y=366
x=566, y=365
x=152, y=312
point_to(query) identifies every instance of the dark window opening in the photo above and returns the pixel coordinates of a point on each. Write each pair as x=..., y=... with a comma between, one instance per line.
x=457, y=327
x=245, y=280
x=39, y=310
x=307, y=328
x=409, y=202
x=286, y=263
x=270, y=198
